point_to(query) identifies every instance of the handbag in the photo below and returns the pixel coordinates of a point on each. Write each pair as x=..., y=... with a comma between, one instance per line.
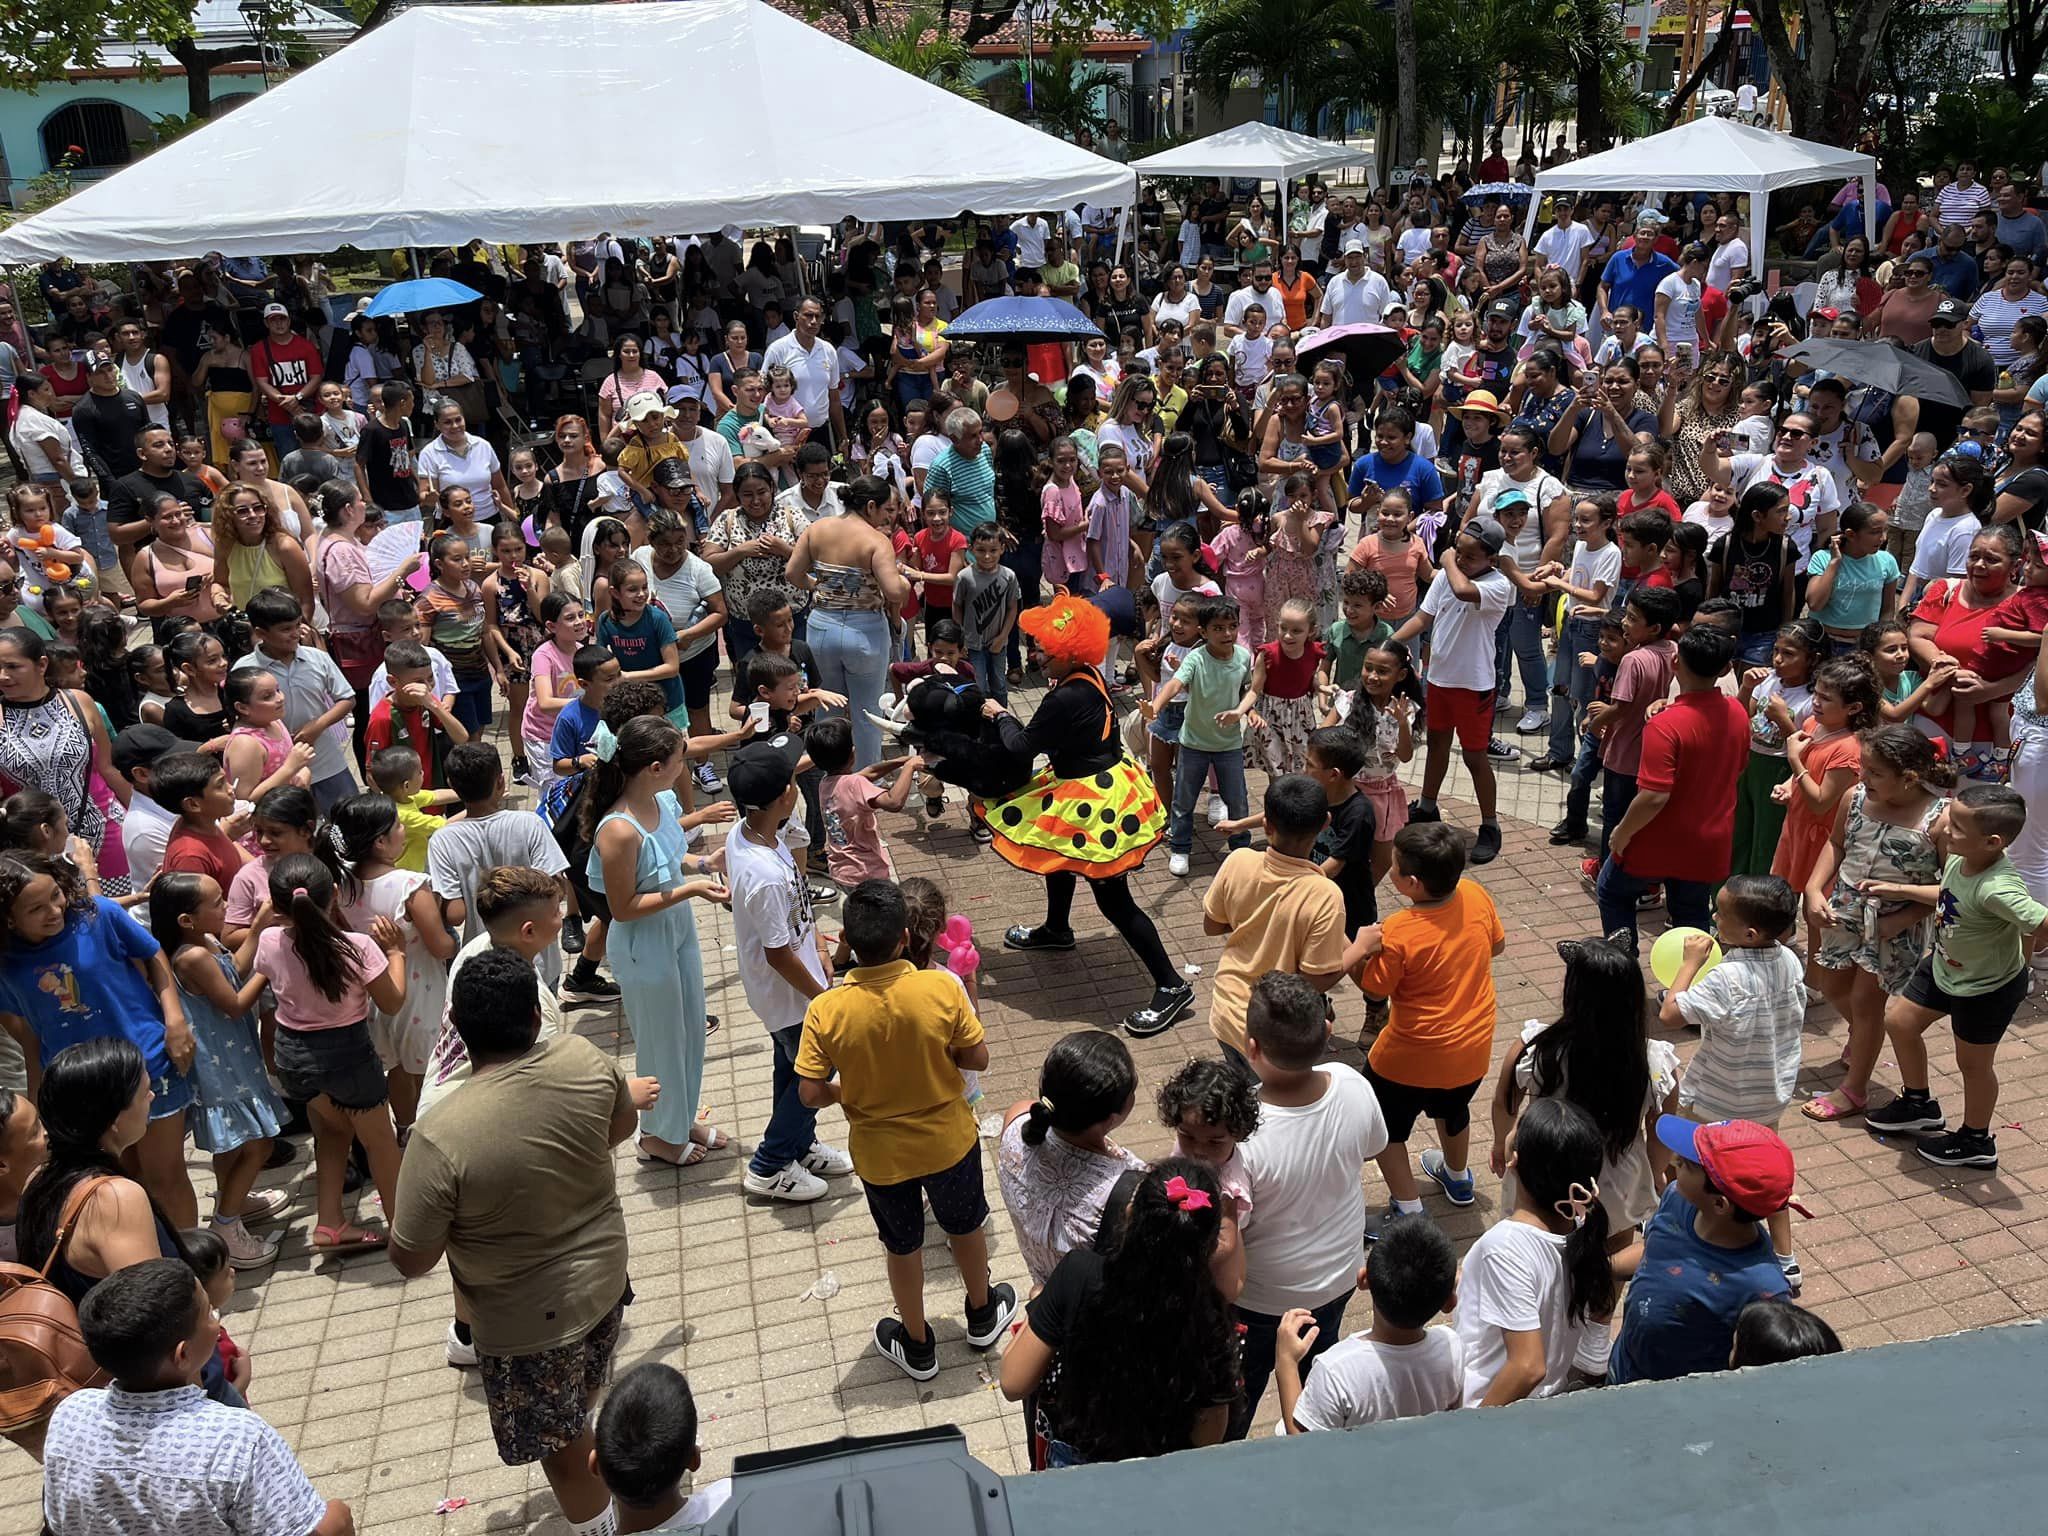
x=43, y=1358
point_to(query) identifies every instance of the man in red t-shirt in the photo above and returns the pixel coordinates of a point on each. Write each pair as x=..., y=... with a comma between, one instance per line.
x=1680, y=828
x=286, y=371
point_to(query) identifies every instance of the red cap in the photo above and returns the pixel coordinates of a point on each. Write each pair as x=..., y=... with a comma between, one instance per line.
x=1748, y=1163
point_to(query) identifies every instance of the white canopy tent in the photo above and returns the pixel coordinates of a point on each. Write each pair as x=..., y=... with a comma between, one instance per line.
x=1712, y=154
x=1255, y=149
x=706, y=111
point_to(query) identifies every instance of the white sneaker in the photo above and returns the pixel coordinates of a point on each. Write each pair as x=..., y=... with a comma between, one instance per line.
x=245, y=1249
x=793, y=1183
x=1177, y=865
x=458, y=1354
x=1532, y=721
x=827, y=1161
x=1217, y=810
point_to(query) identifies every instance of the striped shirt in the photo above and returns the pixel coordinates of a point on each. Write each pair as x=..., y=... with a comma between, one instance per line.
x=1749, y=1011
x=1958, y=204
x=970, y=483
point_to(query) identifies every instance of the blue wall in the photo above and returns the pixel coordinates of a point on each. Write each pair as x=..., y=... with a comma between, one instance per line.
x=22, y=113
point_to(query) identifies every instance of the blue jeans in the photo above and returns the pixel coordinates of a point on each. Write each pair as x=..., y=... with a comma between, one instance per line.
x=1521, y=632
x=473, y=702
x=791, y=1127
x=1578, y=799
x=1261, y=1333
x=1028, y=562
x=1190, y=773
x=1572, y=686
x=988, y=671
x=283, y=438
x=1755, y=650
x=1689, y=903
x=852, y=652
x=1617, y=794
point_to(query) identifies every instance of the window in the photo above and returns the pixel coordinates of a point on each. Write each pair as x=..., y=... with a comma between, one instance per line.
x=104, y=134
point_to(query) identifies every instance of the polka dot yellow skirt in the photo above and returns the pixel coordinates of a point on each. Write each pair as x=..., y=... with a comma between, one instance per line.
x=1095, y=826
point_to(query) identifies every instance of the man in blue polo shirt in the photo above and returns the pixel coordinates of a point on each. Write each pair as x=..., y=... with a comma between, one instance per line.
x=1632, y=276
x=1955, y=269
x=1391, y=464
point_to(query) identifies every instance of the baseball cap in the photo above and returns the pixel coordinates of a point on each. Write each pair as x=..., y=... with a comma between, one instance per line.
x=1354, y=244
x=1949, y=311
x=276, y=309
x=761, y=771
x=1487, y=531
x=672, y=474
x=680, y=395
x=1507, y=309
x=1825, y=312
x=1749, y=1163
x=139, y=746
x=645, y=404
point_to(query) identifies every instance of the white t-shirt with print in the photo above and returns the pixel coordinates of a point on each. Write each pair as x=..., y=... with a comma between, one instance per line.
x=1811, y=487
x=1682, y=319
x=771, y=909
x=1461, y=633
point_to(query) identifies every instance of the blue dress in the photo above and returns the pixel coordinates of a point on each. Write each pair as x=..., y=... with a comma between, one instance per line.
x=661, y=974
x=233, y=1103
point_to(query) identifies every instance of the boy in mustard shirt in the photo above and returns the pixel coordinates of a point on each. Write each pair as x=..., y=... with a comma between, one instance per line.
x=899, y=1037
x=1434, y=960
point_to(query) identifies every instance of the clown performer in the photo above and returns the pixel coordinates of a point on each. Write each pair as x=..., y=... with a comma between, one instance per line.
x=1091, y=814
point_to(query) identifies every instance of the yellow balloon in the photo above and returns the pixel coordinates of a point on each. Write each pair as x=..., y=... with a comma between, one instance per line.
x=1668, y=954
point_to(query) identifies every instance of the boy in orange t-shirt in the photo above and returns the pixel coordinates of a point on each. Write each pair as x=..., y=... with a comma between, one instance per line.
x=1434, y=960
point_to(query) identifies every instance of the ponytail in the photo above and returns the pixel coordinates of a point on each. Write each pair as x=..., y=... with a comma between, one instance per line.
x=302, y=889
x=1088, y=1077
x=1558, y=1149
x=638, y=745
x=349, y=840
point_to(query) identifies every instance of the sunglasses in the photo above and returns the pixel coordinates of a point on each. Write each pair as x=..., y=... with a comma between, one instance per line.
x=1793, y=432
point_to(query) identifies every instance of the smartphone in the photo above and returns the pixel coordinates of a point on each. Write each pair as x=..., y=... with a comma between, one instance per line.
x=194, y=583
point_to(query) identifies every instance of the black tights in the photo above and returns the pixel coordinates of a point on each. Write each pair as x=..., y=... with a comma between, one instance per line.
x=1114, y=901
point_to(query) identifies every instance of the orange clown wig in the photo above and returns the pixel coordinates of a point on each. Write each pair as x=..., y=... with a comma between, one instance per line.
x=1068, y=629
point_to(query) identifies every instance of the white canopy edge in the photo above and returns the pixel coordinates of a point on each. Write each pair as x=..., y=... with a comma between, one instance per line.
x=717, y=105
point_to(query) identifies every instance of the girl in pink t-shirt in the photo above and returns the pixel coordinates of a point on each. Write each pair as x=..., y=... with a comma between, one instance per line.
x=1397, y=554
x=326, y=979
x=1065, y=553
x=554, y=680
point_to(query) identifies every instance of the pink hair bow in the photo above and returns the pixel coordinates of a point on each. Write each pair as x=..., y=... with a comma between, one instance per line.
x=1187, y=1199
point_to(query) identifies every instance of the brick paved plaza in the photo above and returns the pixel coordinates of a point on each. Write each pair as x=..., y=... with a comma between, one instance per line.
x=348, y=1360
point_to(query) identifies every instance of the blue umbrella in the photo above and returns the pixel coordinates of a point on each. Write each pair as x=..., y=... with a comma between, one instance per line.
x=1022, y=320
x=1510, y=191
x=420, y=293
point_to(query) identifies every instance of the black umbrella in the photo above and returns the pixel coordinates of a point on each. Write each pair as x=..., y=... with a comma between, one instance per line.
x=1367, y=350
x=1884, y=366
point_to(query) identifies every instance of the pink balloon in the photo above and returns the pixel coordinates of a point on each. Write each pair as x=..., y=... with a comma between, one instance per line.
x=957, y=931
x=964, y=960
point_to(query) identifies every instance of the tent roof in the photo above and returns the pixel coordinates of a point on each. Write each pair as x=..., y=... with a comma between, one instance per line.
x=1252, y=149
x=1709, y=154
x=434, y=154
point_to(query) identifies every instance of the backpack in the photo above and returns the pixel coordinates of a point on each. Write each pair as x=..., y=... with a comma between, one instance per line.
x=43, y=1358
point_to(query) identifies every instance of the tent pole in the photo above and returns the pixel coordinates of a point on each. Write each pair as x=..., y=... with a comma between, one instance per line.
x=1280, y=231
x=1123, y=217
x=802, y=282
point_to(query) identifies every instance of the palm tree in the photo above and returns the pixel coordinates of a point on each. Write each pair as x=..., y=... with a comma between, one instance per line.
x=1064, y=89
x=1288, y=43
x=919, y=44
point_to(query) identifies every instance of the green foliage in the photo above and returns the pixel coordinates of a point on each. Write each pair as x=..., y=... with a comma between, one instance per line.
x=1065, y=89
x=1986, y=123
x=919, y=45
x=40, y=39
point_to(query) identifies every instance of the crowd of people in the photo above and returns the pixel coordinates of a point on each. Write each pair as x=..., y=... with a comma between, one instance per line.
x=355, y=733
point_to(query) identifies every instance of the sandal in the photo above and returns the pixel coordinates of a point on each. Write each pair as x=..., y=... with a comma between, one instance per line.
x=695, y=1154
x=709, y=1137
x=346, y=1239
x=1835, y=1104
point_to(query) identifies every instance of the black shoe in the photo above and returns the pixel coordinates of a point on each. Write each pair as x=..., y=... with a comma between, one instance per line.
x=1909, y=1115
x=353, y=1179
x=1041, y=937
x=985, y=1325
x=581, y=986
x=918, y=1361
x=1161, y=1014
x=1486, y=846
x=572, y=936
x=935, y=806
x=1500, y=751
x=1417, y=811
x=1963, y=1148
x=1548, y=764
x=282, y=1154
x=981, y=832
x=823, y=893
x=1566, y=832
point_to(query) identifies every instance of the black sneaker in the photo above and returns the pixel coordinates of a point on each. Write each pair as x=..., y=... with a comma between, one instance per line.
x=1486, y=846
x=1567, y=832
x=934, y=806
x=981, y=832
x=1795, y=1277
x=1041, y=937
x=1963, y=1148
x=282, y=1154
x=1162, y=1013
x=918, y=1361
x=823, y=893
x=572, y=935
x=1417, y=811
x=1910, y=1115
x=581, y=987
x=985, y=1325
x=1500, y=751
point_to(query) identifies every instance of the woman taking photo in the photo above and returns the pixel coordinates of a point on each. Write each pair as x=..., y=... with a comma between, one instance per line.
x=1134, y=1352
x=351, y=596
x=848, y=565
x=627, y=379
x=1091, y=813
x=1593, y=441
x=1709, y=404
x=252, y=551
x=1217, y=422
x=173, y=572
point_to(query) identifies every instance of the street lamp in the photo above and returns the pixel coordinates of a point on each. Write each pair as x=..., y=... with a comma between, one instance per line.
x=256, y=21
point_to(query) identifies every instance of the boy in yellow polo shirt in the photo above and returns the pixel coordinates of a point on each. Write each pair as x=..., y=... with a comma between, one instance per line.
x=899, y=1037
x=1281, y=913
